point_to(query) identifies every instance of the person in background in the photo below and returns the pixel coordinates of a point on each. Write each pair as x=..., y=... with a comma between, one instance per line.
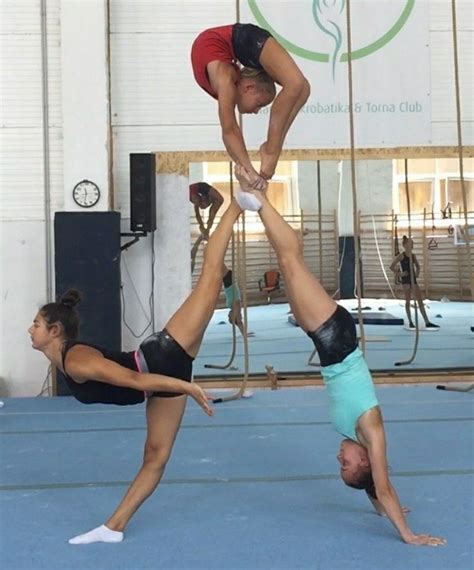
x=204, y=196
x=406, y=267
x=233, y=300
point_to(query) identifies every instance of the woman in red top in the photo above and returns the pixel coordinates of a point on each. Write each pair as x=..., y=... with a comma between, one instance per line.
x=203, y=196
x=216, y=55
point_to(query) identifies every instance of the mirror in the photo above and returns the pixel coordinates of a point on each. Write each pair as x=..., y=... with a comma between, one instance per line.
x=316, y=199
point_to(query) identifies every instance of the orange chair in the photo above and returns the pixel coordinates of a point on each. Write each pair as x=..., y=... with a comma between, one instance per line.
x=269, y=283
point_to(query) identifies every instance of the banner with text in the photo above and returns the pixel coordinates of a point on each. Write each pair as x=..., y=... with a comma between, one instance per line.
x=390, y=67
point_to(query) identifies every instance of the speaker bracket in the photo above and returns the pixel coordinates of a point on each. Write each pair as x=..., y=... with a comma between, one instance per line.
x=136, y=236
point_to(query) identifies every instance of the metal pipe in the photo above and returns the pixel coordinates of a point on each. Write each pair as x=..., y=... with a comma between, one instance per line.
x=46, y=163
x=110, y=145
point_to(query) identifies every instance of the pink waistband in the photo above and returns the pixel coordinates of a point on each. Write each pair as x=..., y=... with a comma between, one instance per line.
x=147, y=393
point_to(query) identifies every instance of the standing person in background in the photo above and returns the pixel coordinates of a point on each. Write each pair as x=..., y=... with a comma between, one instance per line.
x=405, y=265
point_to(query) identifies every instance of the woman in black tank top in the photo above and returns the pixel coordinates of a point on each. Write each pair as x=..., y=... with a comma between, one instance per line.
x=161, y=367
x=406, y=268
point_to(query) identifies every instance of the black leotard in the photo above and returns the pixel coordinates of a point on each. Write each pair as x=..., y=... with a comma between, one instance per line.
x=405, y=265
x=94, y=392
x=158, y=354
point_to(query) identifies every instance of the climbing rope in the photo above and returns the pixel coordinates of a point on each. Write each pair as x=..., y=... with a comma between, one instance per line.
x=358, y=272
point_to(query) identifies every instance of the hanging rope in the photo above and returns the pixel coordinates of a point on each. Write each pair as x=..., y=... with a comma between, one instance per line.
x=320, y=223
x=358, y=273
x=228, y=365
x=379, y=254
x=460, y=146
x=412, y=273
x=195, y=250
x=374, y=230
x=242, y=278
x=396, y=245
x=426, y=272
x=461, y=171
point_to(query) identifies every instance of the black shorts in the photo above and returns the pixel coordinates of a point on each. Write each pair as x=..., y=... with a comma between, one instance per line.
x=227, y=279
x=336, y=338
x=248, y=41
x=406, y=280
x=161, y=354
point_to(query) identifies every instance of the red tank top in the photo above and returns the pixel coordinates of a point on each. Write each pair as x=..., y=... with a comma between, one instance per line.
x=214, y=44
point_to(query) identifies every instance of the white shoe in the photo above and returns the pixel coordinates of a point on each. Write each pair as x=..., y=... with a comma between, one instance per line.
x=247, y=201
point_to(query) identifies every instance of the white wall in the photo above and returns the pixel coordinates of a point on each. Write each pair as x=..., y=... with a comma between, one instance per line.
x=155, y=106
x=22, y=192
x=23, y=291
x=85, y=98
x=442, y=71
x=308, y=186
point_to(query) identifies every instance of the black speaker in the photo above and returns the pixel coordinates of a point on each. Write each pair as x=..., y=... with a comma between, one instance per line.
x=87, y=258
x=142, y=192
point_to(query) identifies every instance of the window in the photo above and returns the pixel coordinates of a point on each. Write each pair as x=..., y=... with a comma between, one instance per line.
x=453, y=194
x=434, y=185
x=421, y=196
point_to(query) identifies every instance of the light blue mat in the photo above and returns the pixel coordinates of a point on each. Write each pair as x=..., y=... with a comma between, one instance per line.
x=255, y=487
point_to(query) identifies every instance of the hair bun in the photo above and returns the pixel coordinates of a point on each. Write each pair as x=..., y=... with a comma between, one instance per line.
x=70, y=298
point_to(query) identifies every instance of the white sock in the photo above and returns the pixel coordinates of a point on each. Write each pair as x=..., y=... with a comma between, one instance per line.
x=99, y=534
x=247, y=201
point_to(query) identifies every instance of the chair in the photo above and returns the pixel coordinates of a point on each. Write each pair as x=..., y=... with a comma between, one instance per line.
x=269, y=283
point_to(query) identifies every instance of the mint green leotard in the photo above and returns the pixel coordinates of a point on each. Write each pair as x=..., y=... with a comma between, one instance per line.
x=229, y=295
x=351, y=391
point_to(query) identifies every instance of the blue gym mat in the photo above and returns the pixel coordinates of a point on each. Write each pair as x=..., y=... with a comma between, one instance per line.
x=255, y=487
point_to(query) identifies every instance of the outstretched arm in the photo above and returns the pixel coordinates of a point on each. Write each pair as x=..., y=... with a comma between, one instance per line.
x=200, y=221
x=84, y=363
x=378, y=505
x=371, y=426
x=394, y=265
x=216, y=202
x=416, y=265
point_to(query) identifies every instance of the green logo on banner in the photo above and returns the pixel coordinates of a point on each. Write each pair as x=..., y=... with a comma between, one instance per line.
x=326, y=13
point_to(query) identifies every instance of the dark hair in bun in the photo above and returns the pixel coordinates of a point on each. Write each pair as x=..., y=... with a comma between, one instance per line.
x=63, y=312
x=70, y=298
